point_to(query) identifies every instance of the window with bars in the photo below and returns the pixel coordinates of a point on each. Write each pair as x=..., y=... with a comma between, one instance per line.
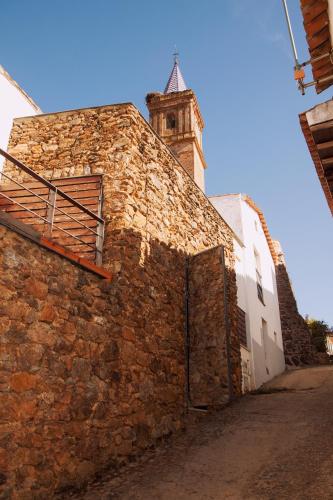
x=241, y=326
x=260, y=291
x=259, y=288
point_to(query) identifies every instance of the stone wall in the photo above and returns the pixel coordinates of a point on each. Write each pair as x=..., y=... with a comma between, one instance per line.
x=155, y=217
x=145, y=188
x=79, y=386
x=297, y=344
x=211, y=336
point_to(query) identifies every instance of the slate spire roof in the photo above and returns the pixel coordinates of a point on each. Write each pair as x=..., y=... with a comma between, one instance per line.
x=176, y=81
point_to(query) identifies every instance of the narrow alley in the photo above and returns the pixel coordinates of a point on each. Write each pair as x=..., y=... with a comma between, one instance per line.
x=276, y=444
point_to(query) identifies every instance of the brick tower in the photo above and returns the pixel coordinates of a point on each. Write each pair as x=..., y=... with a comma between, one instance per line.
x=176, y=117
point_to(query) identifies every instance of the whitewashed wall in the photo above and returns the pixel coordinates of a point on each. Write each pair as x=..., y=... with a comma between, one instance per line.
x=13, y=103
x=266, y=355
x=242, y=300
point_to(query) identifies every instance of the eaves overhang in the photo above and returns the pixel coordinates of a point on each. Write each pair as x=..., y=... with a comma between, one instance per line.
x=270, y=241
x=317, y=127
x=318, y=25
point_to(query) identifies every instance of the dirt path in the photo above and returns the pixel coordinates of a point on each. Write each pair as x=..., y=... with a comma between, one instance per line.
x=268, y=446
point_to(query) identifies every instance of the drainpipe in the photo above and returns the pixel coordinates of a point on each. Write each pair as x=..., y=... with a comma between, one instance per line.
x=187, y=335
x=227, y=325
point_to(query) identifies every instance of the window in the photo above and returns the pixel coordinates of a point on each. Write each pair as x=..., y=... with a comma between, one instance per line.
x=259, y=287
x=264, y=341
x=171, y=121
x=259, y=279
x=241, y=326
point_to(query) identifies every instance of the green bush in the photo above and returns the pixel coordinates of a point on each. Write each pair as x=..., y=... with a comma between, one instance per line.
x=318, y=330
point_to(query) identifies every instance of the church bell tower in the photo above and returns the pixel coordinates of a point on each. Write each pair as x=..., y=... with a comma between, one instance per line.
x=176, y=117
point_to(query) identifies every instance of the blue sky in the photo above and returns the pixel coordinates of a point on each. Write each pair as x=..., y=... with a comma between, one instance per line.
x=235, y=55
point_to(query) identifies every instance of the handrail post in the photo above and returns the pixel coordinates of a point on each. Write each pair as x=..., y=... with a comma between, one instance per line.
x=50, y=211
x=99, y=243
x=100, y=232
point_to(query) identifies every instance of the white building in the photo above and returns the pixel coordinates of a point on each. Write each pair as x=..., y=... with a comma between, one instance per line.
x=329, y=343
x=14, y=103
x=261, y=338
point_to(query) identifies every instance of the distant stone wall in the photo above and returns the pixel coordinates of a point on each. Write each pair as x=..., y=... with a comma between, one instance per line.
x=156, y=217
x=297, y=344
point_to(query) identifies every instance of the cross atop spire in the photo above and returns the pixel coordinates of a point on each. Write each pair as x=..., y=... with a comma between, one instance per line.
x=176, y=81
x=176, y=56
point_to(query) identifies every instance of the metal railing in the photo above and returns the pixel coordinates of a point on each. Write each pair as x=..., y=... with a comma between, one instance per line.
x=51, y=221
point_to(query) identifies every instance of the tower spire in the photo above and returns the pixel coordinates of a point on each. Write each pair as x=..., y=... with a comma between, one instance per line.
x=176, y=117
x=176, y=81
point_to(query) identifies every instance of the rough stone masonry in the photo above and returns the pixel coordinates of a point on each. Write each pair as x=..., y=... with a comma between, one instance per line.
x=93, y=372
x=298, y=349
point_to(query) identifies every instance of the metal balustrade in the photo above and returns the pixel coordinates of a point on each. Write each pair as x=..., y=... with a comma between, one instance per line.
x=53, y=212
